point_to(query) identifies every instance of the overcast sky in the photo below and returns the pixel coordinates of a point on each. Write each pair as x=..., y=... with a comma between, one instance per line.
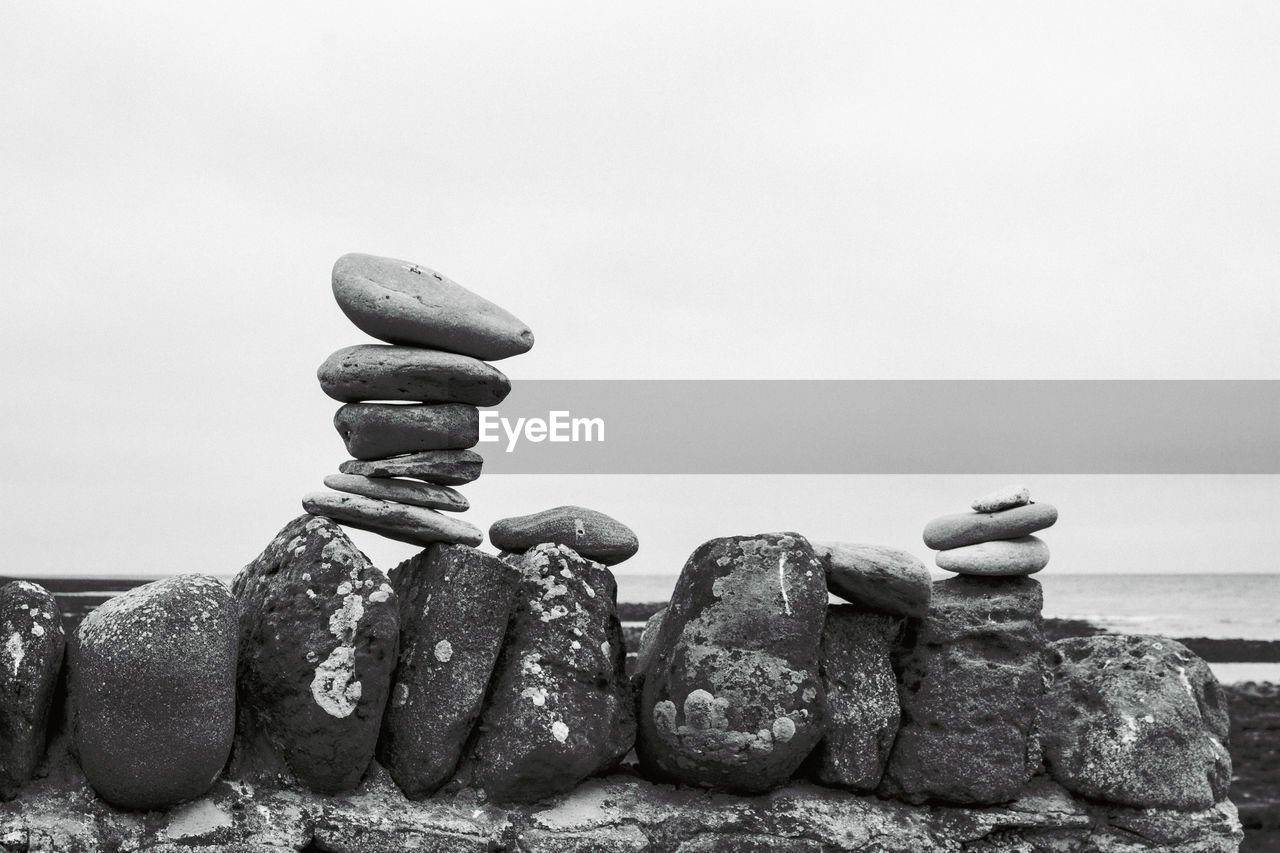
x=729, y=190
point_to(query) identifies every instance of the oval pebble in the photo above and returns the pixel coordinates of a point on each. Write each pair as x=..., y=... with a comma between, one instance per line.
x=1003, y=557
x=1002, y=498
x=411, y=524
x=970, y=528
x=376, y=372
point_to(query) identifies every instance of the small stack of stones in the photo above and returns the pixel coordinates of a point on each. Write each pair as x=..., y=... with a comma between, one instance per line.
x=995, y=539
x=411, y=406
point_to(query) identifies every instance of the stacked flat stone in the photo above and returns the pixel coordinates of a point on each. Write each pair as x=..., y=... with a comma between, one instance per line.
x=410, y=413
x=995, y=539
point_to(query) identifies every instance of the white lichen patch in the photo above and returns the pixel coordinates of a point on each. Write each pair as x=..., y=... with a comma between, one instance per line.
x=1128, y=733
x=344, y=621
x=443, y=651
x=606, y=649
x=531, y=663
x=15, y=650
x=37, y=629
x=784, y=729
x=334, y=687
x=536, y=695
x=400, y=697
x=559, y=731
x=381, y=594
x=1186, y=682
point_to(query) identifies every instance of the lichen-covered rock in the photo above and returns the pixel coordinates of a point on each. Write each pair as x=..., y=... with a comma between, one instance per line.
x=379, y=430
x=318, y=632
x=876, y=577
x=970, y=681
x=591, y=533
x=560, y=707
x=151, y=691
x=455, y=602
x=31, y=649
x=731, y=696
x=1137, y=721
x=376, y=372
x=862, y=698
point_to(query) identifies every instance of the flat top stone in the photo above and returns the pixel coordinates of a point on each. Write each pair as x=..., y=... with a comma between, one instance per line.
x=876, y=577
x=1005, y=497
x=447, y=467
x=969, y=528
x=590, y=532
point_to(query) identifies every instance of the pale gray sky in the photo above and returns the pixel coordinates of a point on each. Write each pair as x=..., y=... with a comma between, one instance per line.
x=733, y=190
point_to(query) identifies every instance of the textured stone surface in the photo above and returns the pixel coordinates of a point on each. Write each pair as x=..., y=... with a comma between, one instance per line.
x=591, y=533
x=318, y=632
x=410, y=492
x=1005, y=497
x=971, y=677
x=1137, y=721
x=1025, y=555
x=876, y=577
x=970, y=528
x=731, y=697
x=648, y=639
x=379, y=430
x=374, y=372
x=862, y=698
x=560, y=708
x=412, y=524
x=455, y=603
x=31, y=649
x=447, y=467
x=405, y=303
x=151, y=691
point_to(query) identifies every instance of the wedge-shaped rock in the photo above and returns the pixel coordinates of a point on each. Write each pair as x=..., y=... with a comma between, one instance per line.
x=405, y=303
x=455, y=602
x=1138, y=721
x=31, y=648
x=412, y=524
x=318, y=632
x=374, y=372
x=151, y=690
x=731, y=694
x=378, y=430
x=969, y=528
x=410, y=492
x=560, y=708
x=876, y=577
x=591, y=533
x=447, y=467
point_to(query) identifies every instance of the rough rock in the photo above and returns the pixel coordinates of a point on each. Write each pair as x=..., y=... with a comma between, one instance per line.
x=375, y=372
x=1003, y=498
x=1138, y=721
x=560, y=707
x=151, y=691
x=410, y=492
x=876, y=577
x=1025, y=555
x=592, y=534
x=648, y=637
x=406, y=303
x=31, y=649
x=412, y=524
x=732, y=697
x=862, y=698
x=970, y=528
x=455, y=603
x=971, y=676
x=318, y=632
x=379, y=430
x=446, y=467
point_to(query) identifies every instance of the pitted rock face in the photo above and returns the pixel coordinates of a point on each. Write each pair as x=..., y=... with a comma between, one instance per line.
x=31, y=648
x=151, y=691
x=318, y=632
x=1137, y=721
x=731, y=694
x=560, y=708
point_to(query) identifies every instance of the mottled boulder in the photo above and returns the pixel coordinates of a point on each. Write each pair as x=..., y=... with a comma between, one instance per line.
x=970, y=682
x=876, y=577
x=31, y=648
x=447, y=467
x=862, y=698
x=560, y=708
x=591, y=533
x=151, y=691
x=731, y=695
x=376, y=372
x=1137, y=721
x=401, y=522
x=455, y=602
x=379, y=430
x=969, y=528
x=318, y=632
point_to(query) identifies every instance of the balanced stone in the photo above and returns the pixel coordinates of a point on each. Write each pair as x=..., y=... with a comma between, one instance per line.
x=1002, y=498
x=1138, y=721
x=412, y=524
x=876, y=577
x=592, y=534
x=376, y=372
x=1025, y=555
x=970, y=682
x=30, y=661
x=318, y=632
x=378, y=430
x=732, y=697
x=862, y=698
x=411, y=492
x=406, y=303
x=446, y=467
x=970, y=528
x=560, y=707
x=455, y=602
x=151, y=691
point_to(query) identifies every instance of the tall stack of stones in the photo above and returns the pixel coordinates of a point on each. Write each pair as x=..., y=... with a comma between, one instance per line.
x=410, y=413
